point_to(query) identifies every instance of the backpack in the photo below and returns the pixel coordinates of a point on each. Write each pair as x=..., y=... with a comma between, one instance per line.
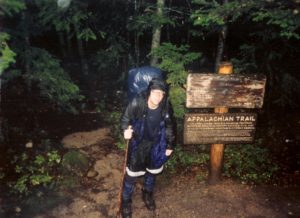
x=139, y=78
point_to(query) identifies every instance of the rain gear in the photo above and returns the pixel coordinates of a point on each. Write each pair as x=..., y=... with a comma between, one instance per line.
x=144, y=155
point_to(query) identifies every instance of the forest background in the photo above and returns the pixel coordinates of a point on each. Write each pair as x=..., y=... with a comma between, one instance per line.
x=68, y=58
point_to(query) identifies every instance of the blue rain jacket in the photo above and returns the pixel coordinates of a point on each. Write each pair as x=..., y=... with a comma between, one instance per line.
x=146, y=155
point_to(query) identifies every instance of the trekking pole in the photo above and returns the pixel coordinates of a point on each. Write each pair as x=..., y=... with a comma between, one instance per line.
x=123, y=177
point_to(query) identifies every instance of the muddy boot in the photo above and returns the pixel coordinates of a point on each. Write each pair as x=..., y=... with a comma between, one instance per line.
x=126, y=210
x=148, y=199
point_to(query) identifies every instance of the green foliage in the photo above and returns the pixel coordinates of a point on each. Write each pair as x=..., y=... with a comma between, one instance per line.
x=281, y=14
x=173, y=60
x=177, y=97
x=7, y=55
x=87, y=34
x=113, y=118
x=49, y=16
x=148, y=19
x=246, y=62
x=34, y=171
x=211, y=15
x=53, y=82
x=249, y=163
x=208, y=14
x=10, y=7
x=121, y=144
x=288, y=20
x=185, y=159
x=74, y=19
x=109, y=58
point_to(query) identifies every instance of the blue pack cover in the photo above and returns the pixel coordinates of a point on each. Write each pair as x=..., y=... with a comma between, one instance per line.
x=139, y=78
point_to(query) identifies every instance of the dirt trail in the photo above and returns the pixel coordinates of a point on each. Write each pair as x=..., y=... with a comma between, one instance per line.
x=181, y=196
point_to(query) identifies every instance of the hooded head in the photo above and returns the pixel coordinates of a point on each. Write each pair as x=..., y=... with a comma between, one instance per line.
x=156, y=93
x=157, y=84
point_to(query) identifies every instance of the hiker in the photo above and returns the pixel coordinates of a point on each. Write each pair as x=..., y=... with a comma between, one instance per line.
x=149, y=125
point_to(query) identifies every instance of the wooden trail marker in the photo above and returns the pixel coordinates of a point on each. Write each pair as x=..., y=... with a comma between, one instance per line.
x=233, y=91
x=221, y=91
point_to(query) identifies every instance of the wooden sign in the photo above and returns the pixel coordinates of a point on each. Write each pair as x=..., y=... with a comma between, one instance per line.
x=234, y=90
x=219, y=128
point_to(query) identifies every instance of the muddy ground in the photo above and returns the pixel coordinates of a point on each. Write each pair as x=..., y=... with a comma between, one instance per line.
x=182, y=195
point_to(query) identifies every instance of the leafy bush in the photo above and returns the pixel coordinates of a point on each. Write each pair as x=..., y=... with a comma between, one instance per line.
x=174, y=60
x=106, y=60
x=11, y=7
x=186, y=159
x=54, y=83
x=43, y=71
x=249, y=163
x=34, y=171
x=113, y=118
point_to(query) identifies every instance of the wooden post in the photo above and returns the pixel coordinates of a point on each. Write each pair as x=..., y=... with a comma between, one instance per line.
x=217, y=150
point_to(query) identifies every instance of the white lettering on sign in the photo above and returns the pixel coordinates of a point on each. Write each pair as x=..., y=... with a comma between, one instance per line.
x=240, y=118
x=245, y=118
x=210, y=118
x=219, y=128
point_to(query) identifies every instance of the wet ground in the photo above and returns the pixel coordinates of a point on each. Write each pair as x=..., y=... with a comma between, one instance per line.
x=176, y=195
x=181, y=195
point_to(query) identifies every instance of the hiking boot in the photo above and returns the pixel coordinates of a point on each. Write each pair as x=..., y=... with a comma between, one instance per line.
x=126, y=210
x=148, y=199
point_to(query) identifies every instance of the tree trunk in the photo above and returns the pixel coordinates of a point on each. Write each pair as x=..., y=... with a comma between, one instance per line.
x=157, y=31
x=136, y=37
x=26, y=38
x=221, y=43
x=168, y=34
x=136, y=48
x=188, y=34
x=84, y=65
x=69, y=45
x=62, y=44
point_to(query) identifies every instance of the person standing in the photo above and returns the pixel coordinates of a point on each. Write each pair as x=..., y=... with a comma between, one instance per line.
x=149, y=125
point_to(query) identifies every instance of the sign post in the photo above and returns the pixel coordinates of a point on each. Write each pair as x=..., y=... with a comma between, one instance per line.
x=217, y=150
x=222, y=91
